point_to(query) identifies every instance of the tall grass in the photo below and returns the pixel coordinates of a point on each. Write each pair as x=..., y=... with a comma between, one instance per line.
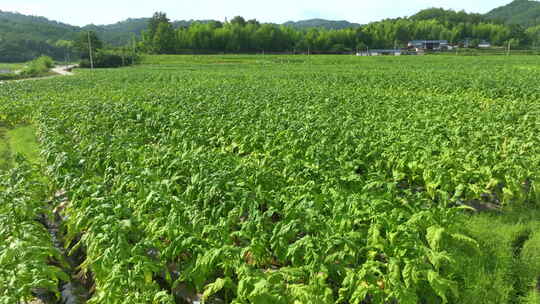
x=19, y=140
x=23, y=140
x=5, y=154
x=506, y=269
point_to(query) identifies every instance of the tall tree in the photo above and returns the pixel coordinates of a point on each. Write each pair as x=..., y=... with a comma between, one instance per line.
x=67, y=45
x=164, y=41
x=239, y=20
x=534, y=35
x=83, y=41
x=155, y=21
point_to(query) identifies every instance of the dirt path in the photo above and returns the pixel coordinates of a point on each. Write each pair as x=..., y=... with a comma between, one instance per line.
x=64, y=70
x=60, y=70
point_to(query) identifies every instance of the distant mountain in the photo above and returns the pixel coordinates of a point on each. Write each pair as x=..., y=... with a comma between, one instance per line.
x=448, y=16
x=136, y=26
x=522, y=12
x=25, y=37
x=184, y=23
x=321, y=23
x=33, y=28
x=17, y=30
x=121, y=32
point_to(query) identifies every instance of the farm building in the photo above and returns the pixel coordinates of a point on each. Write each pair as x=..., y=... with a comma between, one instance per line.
x=380, y=53
x=428, y=44
x=484, y=45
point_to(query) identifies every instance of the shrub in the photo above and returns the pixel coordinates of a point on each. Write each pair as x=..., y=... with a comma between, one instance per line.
x=107, y=59
x=38, y=66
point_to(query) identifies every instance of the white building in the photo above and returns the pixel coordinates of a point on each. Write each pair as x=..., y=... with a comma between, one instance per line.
x=435, y=45
x=380, y=53
x=484, y=45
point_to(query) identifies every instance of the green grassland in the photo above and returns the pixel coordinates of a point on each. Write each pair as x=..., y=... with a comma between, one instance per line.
x=294, y=179
x=23, y=140
x=11, y=66
x=38, y=67
x=19, y=140
x=507, y=270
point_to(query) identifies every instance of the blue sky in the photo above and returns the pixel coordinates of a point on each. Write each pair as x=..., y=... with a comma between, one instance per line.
x=79, y=12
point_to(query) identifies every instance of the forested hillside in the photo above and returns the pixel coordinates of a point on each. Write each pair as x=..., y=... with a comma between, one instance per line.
x=121, y=32
x=522, y=12
x=321, y=23
x=25, y=37
x=242, y=36
x=33, y=27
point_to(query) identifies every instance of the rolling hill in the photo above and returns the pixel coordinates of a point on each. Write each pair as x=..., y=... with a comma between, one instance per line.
x=24, y=37
x=121, y=32
x=522, y=12
x=321, y=23
x=34, y=28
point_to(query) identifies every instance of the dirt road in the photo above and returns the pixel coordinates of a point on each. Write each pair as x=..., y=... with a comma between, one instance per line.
x=60, y=70
x=64, y=70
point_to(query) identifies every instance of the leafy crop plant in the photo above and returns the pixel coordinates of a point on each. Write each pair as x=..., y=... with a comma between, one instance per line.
x=326, y=179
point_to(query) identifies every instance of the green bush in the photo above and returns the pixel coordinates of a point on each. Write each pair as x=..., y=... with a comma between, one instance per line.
x=37, y=66
x=108, y=59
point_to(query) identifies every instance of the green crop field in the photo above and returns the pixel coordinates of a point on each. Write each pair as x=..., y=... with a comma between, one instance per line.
x=278, y=179
x=11, y=66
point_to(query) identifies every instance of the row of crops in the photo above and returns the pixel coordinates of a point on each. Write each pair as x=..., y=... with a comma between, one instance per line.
x=284, y=179
x=26, y=248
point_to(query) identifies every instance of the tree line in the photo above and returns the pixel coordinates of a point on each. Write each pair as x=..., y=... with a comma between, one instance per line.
x=23, y=38
x=240, y=35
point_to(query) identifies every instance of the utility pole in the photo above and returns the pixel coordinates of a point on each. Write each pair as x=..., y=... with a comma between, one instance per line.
x=90, y=52
x=133, y=50
x=508, y=51
x=538, y=38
